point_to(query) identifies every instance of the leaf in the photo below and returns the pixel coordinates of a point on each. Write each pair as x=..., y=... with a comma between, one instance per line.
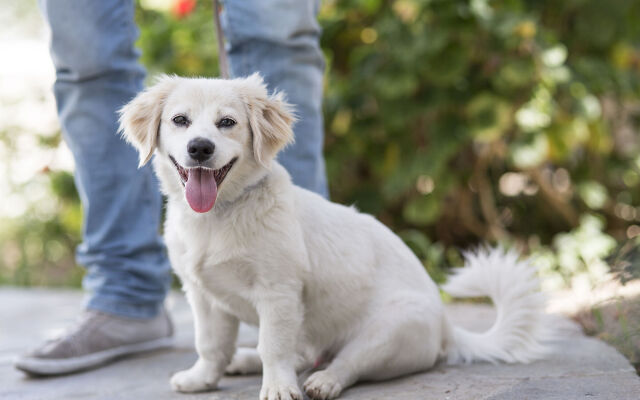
x=530, y=154
x=489, y=117
x=421, y=210
x=593, y=194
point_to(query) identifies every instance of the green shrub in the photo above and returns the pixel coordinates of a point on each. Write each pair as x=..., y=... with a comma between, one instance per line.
x=462, y=122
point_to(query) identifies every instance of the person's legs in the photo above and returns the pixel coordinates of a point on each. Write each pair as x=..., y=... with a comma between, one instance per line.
x=97, y=72
x=280, y=39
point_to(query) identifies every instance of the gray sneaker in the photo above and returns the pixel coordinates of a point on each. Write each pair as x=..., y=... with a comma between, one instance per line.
x=95, y=340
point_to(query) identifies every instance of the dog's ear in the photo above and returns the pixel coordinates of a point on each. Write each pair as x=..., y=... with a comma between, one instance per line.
x=140, y=118
x=270, y=118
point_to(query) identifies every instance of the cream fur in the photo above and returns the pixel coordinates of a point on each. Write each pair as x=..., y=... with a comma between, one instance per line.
x=321, y=280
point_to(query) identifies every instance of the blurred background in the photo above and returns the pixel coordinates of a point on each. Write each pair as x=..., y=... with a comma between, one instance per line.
x=455, y=122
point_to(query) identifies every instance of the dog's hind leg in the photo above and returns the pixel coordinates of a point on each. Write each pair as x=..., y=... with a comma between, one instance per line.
x=245, y=361
x=384, y=348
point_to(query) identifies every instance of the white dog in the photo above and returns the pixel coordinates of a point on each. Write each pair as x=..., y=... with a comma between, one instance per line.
x=321, y=280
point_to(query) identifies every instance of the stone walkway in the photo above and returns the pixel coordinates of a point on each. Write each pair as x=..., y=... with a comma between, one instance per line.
x=582, y=367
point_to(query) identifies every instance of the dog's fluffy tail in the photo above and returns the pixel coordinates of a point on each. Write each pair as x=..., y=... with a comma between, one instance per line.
x=521, y=332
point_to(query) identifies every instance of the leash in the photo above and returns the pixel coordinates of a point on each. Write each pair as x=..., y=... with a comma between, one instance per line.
x=222, y=51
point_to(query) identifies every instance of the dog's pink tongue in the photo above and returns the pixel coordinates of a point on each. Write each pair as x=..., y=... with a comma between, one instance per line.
x=201, y=189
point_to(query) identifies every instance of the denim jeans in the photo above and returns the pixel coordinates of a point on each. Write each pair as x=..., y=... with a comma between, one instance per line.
x=280, y=39
x=97, y=72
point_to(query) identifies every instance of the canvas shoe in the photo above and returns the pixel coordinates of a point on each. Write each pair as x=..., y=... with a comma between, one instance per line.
x=95, y=340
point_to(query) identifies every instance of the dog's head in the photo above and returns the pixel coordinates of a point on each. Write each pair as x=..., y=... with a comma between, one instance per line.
x=210, y=135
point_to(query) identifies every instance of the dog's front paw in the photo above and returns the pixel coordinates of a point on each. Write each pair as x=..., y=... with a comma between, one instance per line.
x=322, y=386
x=198, y=378
x=280, y=392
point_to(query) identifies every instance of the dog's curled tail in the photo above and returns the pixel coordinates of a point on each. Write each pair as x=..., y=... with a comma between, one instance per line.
x=521, y=332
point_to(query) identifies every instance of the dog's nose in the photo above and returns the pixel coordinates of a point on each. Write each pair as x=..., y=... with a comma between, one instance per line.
x=200, y=149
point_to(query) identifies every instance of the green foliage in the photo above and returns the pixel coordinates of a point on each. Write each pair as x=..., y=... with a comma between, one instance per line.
x=455, y=122
x=459, y=94
x=37, y=248
x=577, y=258
x=175, y=44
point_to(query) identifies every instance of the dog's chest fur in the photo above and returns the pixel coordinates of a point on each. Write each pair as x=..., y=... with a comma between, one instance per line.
x=208, y=255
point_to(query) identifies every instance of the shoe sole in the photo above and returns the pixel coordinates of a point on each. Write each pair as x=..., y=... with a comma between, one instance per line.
x=58, y=366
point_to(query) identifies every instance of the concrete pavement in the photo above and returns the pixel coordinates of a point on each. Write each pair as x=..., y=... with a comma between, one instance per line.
x=581, y=368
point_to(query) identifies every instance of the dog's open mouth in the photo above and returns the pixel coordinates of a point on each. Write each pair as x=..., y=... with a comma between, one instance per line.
x=201, y=184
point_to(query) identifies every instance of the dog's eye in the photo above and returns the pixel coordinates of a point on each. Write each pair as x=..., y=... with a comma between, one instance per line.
x=225, y=123
x=180, y=120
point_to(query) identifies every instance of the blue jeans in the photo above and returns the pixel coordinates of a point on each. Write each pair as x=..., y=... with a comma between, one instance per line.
x=97, y=71
x=280, y=39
